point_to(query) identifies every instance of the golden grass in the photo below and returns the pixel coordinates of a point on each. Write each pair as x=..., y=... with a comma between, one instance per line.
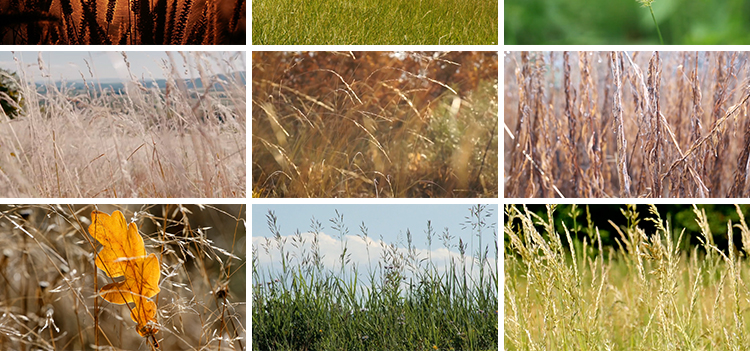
x=372, y=124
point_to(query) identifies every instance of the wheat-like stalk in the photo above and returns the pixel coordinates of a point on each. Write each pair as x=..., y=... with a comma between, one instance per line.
x=182, y=22
x=146, y=22
x=111, y=4
x=236, y=15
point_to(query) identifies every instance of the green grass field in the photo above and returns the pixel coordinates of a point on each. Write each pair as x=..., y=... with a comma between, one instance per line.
x=340, y=22
x=401, y=302
x=655, y=288
x=717, y=22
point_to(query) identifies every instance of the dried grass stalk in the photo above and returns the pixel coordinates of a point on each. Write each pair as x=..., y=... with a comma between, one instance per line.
x=622, y=143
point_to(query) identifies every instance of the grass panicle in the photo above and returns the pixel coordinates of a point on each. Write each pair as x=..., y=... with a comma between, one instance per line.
x=649, y=289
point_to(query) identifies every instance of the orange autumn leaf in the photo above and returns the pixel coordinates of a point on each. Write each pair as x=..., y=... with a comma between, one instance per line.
x=124, y=254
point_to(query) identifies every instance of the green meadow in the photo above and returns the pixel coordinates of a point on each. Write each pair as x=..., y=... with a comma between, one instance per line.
x=322, y=22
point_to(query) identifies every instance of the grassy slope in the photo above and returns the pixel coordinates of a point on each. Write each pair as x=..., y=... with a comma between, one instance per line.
x=381, y=22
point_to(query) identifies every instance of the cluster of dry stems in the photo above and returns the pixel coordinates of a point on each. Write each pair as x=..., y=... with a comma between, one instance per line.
x=124, y=22
x=627, y=124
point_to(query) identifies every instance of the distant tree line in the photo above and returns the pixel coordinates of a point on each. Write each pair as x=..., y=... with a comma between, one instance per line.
x=679, y=217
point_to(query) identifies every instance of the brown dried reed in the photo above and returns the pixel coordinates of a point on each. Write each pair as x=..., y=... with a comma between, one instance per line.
x=627, y=125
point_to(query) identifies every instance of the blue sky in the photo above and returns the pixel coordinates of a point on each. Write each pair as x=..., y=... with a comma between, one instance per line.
x=388, y=221
x=385, y=220
x=106, y=65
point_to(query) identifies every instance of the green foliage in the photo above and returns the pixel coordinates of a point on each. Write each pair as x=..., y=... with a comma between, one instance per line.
x=11, y=100
x=382, y=22
x=626, y=22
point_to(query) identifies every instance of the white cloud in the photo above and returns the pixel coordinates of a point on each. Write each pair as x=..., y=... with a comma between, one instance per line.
x=357, y=249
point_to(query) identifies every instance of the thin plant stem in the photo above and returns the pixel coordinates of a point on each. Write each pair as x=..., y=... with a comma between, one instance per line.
x=656, y=24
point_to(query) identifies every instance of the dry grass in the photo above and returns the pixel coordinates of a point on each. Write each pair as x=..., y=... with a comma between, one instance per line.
x=136, y=22
x=375, y=124
x=49, y=283
x=143, y=142
x=621, y=124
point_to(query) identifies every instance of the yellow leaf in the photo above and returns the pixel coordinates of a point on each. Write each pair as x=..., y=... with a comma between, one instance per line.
x=124, y=254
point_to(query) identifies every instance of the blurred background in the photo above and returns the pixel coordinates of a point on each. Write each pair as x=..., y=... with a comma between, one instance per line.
x=719, y=22
x=681, y=219
x=48, y=290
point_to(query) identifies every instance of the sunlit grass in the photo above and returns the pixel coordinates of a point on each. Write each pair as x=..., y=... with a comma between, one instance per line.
x=375, y=22
x=566, y=290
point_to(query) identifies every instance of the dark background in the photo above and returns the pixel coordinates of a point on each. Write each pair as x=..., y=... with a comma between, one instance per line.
x=679, y=217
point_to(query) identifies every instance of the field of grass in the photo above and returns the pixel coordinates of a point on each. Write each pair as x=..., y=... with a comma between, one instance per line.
x=685, y=22
x=655, y=288
x=136, y=22
x=141, y=142
x=627, y=124
x=375, y=124
x=50, y=287
x=401, y=301
x=375, y=22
